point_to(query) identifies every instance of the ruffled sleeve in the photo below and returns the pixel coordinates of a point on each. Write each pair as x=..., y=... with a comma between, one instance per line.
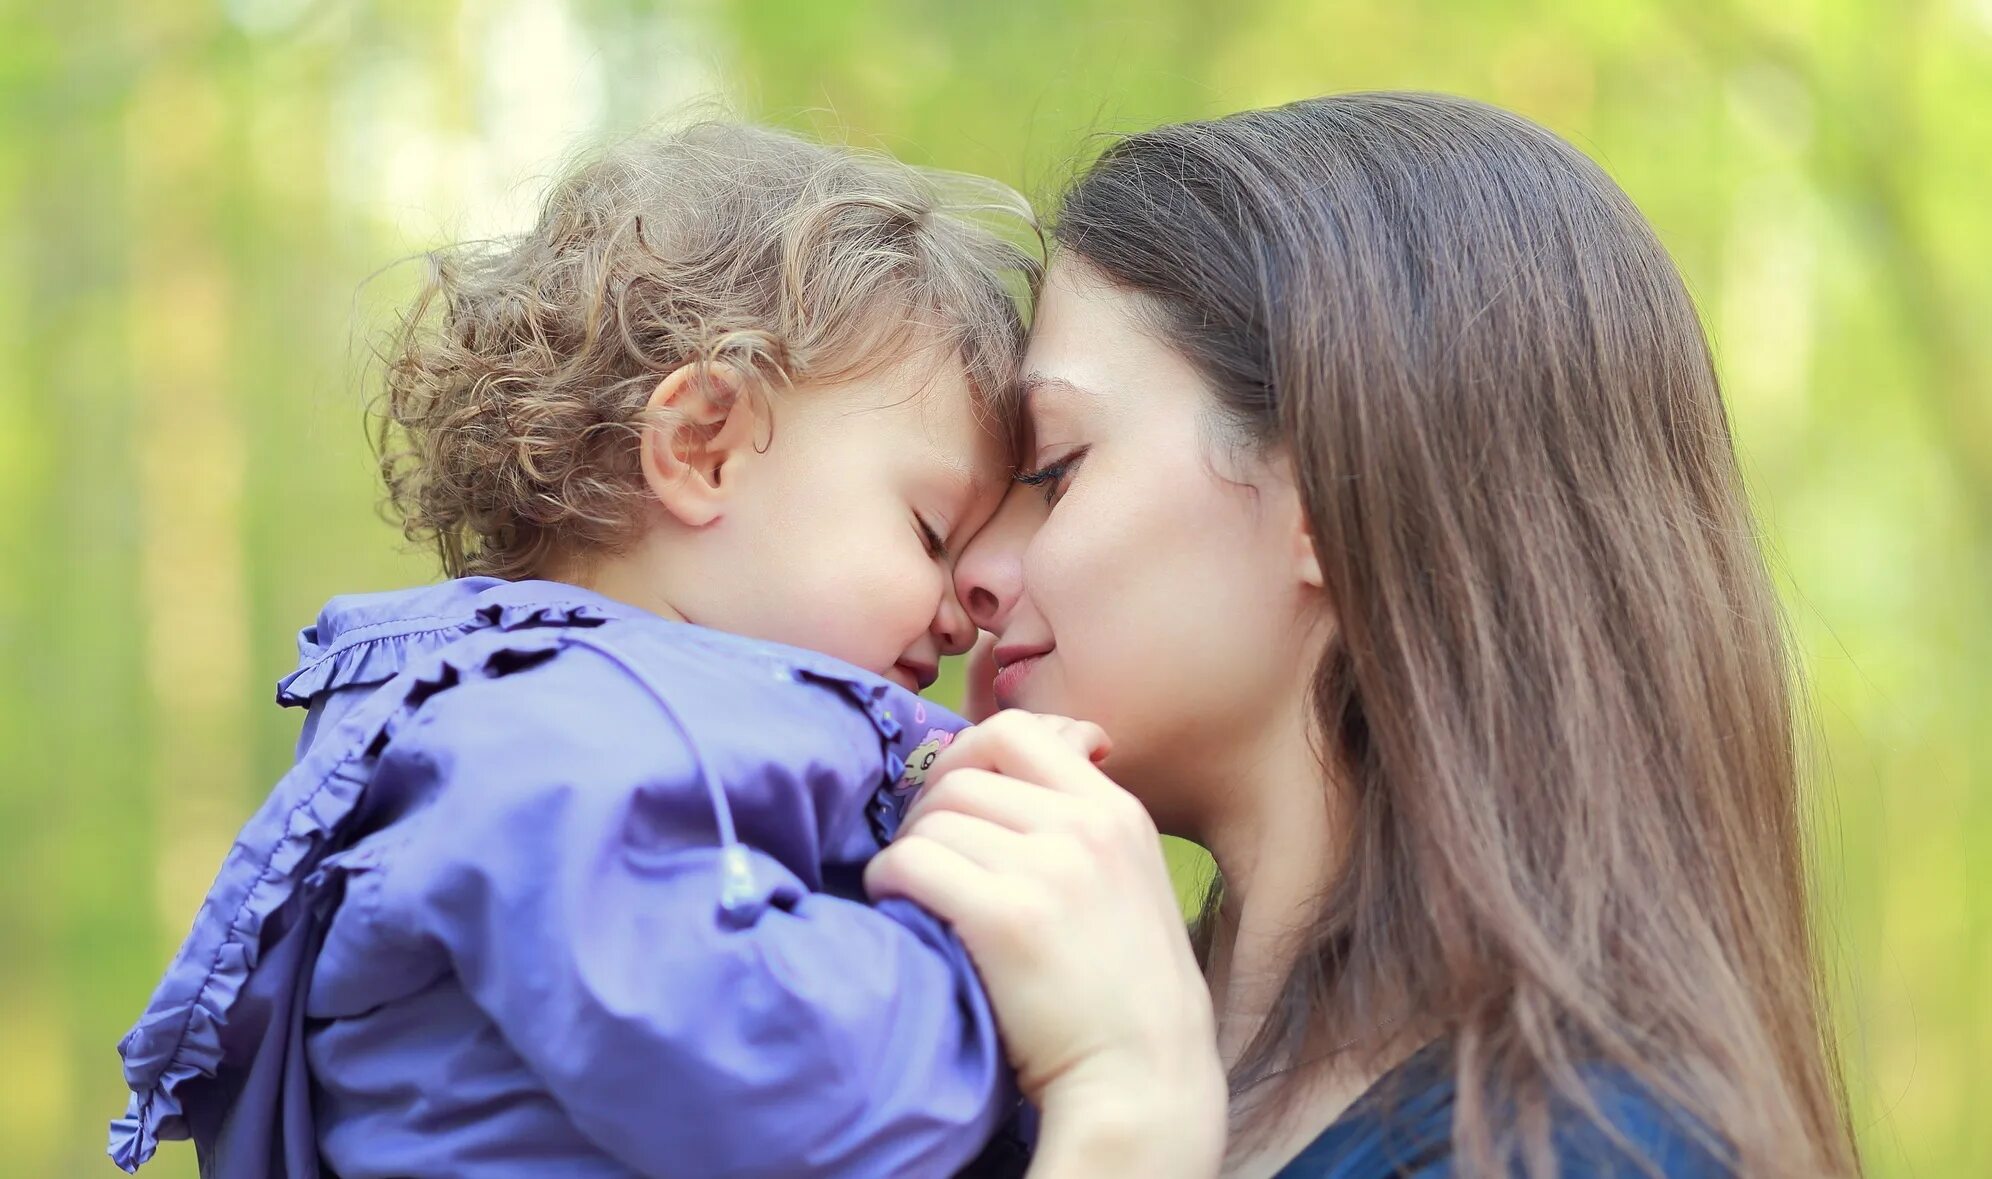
x=196, y=1040
x=372, y=653
x=227, y=987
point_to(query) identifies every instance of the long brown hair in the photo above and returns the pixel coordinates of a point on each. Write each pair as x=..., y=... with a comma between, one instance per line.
x=1561, y=699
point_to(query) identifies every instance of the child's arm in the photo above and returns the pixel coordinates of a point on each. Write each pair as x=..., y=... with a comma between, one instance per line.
x=577, y=895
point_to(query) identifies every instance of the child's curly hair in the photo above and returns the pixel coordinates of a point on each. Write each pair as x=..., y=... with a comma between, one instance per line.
x=516, y=386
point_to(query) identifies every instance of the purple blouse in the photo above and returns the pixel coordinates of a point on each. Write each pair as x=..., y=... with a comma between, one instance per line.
x=559, y=887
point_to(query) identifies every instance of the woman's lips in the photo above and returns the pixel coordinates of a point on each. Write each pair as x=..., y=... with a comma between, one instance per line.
x=1010, y=675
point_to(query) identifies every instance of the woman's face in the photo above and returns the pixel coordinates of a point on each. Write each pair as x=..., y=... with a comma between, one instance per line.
x=1155, y=579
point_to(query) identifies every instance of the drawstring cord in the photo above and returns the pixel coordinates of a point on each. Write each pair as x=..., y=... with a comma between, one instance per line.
x=736, y=867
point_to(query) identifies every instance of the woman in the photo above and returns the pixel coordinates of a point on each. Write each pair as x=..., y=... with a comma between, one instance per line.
x=1385, y=514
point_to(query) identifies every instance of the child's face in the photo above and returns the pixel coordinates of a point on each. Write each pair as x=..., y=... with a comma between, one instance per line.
x=824, y=537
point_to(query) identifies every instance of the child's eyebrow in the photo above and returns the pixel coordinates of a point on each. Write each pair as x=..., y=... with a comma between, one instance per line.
x=971, y=483
x=955, y=477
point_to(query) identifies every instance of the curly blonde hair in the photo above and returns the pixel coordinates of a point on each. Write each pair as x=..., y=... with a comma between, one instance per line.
x=516, y=385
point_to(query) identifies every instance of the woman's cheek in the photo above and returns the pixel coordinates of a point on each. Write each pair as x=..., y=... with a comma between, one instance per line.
x=1055, y=575
x=1083, y=579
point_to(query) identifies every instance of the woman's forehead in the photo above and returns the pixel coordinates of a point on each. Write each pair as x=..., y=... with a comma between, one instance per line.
x=1076, y=304
x=1092, y=358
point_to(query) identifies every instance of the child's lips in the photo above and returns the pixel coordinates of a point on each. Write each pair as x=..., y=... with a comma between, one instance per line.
x=917, y=677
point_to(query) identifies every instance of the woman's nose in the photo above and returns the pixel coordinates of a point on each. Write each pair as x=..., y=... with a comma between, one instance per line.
x=989, y=574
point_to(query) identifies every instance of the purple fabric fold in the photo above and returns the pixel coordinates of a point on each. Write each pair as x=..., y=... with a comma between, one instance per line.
x=505, y=840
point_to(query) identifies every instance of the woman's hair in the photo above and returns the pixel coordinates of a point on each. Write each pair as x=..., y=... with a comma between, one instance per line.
x=1560, y=697
x=516, y=386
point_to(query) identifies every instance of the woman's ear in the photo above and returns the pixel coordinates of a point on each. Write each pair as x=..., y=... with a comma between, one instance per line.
x=1306, y=560
x=701, y=424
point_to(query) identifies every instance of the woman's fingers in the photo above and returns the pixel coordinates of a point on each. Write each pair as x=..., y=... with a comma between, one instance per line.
x=937, y=877
x=1022, y=831
x=1076, y=800
x=995, y=911
x=979, y=841
x=1085, y=737
x=1056, y=753
x=980, y=703
x=1053, y=877
x=1064, y=902
x=1020, y=806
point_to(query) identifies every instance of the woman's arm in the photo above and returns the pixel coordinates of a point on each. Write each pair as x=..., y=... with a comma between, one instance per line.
x=1130, y=1126
x=1053, y=876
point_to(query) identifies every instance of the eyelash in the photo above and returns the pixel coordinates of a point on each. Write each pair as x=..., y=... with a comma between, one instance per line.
x=936, y=547
x=1051, y=477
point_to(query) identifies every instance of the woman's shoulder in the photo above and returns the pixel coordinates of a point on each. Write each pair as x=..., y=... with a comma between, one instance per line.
x=1403, y=1128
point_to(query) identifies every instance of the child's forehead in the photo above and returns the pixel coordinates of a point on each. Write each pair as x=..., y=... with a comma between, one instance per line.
x=937, y=447
x=957, y=442
x=934, y=406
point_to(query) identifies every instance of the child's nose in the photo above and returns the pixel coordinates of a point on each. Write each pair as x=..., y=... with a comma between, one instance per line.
x=953, y=629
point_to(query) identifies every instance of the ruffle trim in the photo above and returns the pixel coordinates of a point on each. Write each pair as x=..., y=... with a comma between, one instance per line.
x=375, y=654
x=275, y=860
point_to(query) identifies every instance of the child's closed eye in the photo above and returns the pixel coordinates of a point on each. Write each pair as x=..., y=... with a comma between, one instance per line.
x=937, y=545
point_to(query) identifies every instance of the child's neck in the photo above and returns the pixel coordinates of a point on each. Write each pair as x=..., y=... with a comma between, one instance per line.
x=625, y=577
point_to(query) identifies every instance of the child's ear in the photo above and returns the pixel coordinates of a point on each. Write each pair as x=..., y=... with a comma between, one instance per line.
x=701, y=432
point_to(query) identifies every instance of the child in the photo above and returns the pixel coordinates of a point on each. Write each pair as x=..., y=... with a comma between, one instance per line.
x=565, y=879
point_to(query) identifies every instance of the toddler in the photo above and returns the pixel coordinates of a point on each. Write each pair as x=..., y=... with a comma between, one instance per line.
x=566, y=876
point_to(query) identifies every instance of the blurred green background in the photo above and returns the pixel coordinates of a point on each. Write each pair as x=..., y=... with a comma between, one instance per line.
x=193, y=194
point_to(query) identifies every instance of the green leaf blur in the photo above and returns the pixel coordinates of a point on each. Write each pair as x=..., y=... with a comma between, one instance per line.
x=196, y=195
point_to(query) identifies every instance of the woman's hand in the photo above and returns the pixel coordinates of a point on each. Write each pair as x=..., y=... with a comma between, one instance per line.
x=979, y=702
x=1053, y=877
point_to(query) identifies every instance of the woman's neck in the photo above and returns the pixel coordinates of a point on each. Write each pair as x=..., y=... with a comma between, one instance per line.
x=1277, y=849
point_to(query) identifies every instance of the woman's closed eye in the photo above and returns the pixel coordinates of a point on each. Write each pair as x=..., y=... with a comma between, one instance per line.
x=1052, y=476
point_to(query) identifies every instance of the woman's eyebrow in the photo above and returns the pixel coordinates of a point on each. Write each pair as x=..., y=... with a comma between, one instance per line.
x=1036, y=382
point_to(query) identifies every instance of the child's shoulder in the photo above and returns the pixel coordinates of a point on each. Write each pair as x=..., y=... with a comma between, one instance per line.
x=539, y=680
x=638, y=660
x=612, y=692
x=365, y=639
x=667, y=723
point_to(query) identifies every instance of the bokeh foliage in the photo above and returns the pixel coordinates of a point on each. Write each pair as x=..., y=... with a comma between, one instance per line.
x=194, y=193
